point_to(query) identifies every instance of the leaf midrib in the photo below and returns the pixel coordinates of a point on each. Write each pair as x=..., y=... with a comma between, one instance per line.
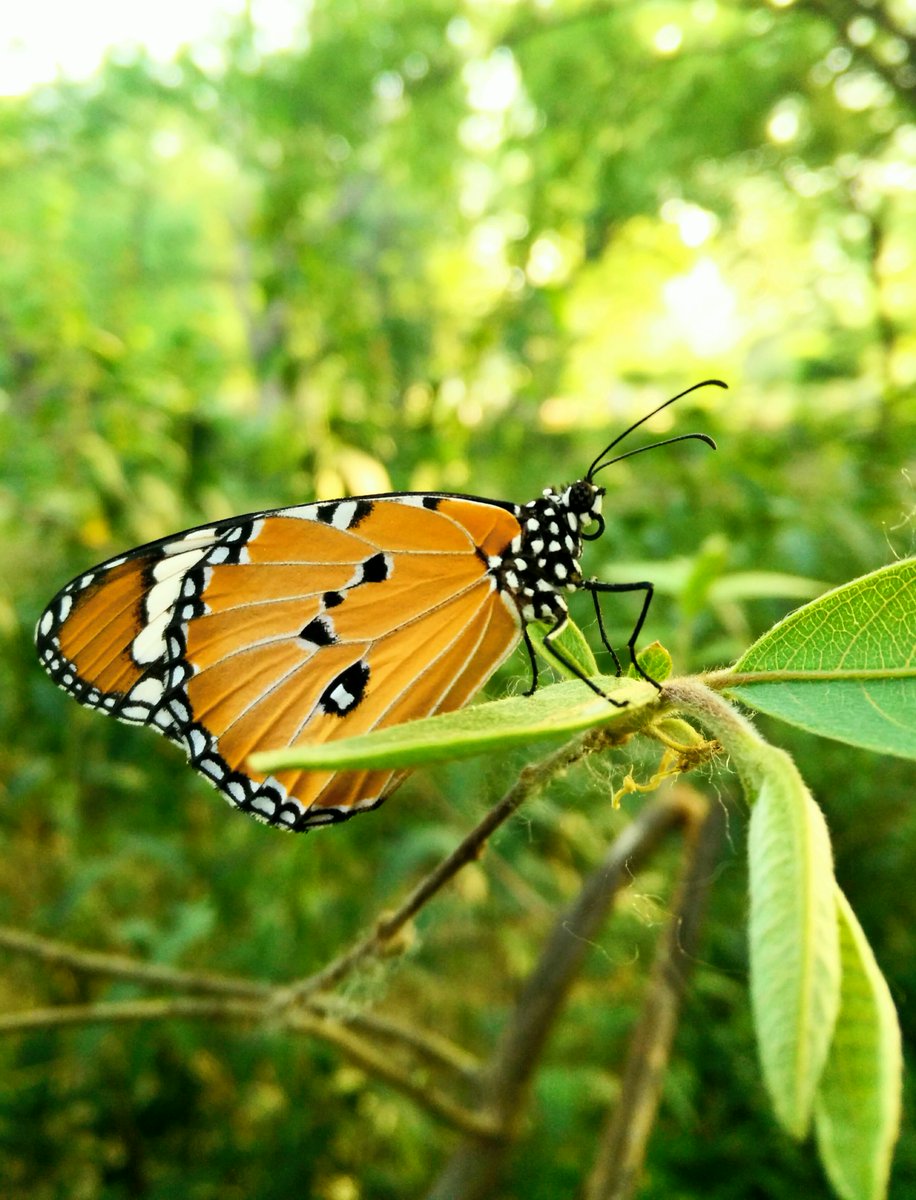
x=727, y=678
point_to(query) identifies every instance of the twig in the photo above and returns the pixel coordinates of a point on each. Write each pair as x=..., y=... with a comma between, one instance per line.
x=622, y=1146
x=299, y=1008
x=118, y=966
x=472, y=1172
x=472, y=1123
x=429, y=1047
x=130, y=1012
x=351, y=1045
x=530, y=780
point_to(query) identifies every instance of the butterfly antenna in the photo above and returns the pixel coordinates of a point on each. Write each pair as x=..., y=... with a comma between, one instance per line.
x=598, y=465
x=682, y=437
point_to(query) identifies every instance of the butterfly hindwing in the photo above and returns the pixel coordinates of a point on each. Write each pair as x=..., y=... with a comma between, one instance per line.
x=294, y=626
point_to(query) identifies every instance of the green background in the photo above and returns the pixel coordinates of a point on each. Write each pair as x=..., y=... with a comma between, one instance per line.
x=451, y=247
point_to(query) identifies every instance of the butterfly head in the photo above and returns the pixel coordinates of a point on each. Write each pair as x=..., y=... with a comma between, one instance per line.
x=582, y=501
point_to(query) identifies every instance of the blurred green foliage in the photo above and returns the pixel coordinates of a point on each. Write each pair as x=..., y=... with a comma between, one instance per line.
x=459, y=248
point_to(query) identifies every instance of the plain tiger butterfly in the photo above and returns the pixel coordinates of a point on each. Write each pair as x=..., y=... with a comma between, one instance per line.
x=324, y=620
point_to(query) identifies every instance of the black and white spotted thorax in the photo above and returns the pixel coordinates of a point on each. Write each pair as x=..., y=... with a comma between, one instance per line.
x=543, y=562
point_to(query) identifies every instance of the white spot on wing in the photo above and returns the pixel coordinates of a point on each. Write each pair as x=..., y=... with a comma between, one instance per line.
x=196, y=742
x=134, y=712
x=342, y=698
x=148, y=690
x=325, y=816
x=197, y=538
x=344, y=514
x=170, y=574
x=302, y=512
x=162, y=596
x=176, y=565
x=149, y=644
x=212, y=767
x=46, y=622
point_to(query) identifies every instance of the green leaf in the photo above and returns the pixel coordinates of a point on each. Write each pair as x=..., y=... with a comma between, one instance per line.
x=843, y=666
x=857, y=1108
x=655, y=661
x=570, y=642
x=794, y=940
x=500, y=725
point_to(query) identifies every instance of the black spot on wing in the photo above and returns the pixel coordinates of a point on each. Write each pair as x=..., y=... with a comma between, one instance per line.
x=375, y=569
x=344, y=514
x=363, y=509
x=319, y=631
x=332, y=599
x=345, y=692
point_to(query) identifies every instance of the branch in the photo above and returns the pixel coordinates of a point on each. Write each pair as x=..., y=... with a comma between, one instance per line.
x=622, y=1146
x=472, y=1123
x=129, y=1012
x=296, y=1007
x=472, y=1172
x=299, y=1009
x=429, y=1047
x=171, y=1008
x=531, y=779
x=119, y=966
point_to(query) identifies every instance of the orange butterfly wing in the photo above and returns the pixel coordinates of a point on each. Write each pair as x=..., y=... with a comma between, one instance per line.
x=296, y=626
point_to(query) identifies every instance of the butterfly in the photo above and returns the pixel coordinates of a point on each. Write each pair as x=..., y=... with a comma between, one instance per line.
x=325, y=620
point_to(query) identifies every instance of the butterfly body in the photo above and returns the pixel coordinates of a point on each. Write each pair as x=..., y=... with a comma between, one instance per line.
x=311, y=623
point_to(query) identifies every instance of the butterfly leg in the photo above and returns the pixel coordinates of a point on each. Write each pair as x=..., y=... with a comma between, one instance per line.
x=618, y=670
x=596, y=587
x=532, y=658
x=561, y=619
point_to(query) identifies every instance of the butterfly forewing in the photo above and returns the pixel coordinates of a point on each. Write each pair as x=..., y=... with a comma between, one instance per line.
x=290, y=627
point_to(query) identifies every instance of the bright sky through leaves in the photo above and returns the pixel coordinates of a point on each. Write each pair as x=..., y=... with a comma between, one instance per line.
x=45, y=38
